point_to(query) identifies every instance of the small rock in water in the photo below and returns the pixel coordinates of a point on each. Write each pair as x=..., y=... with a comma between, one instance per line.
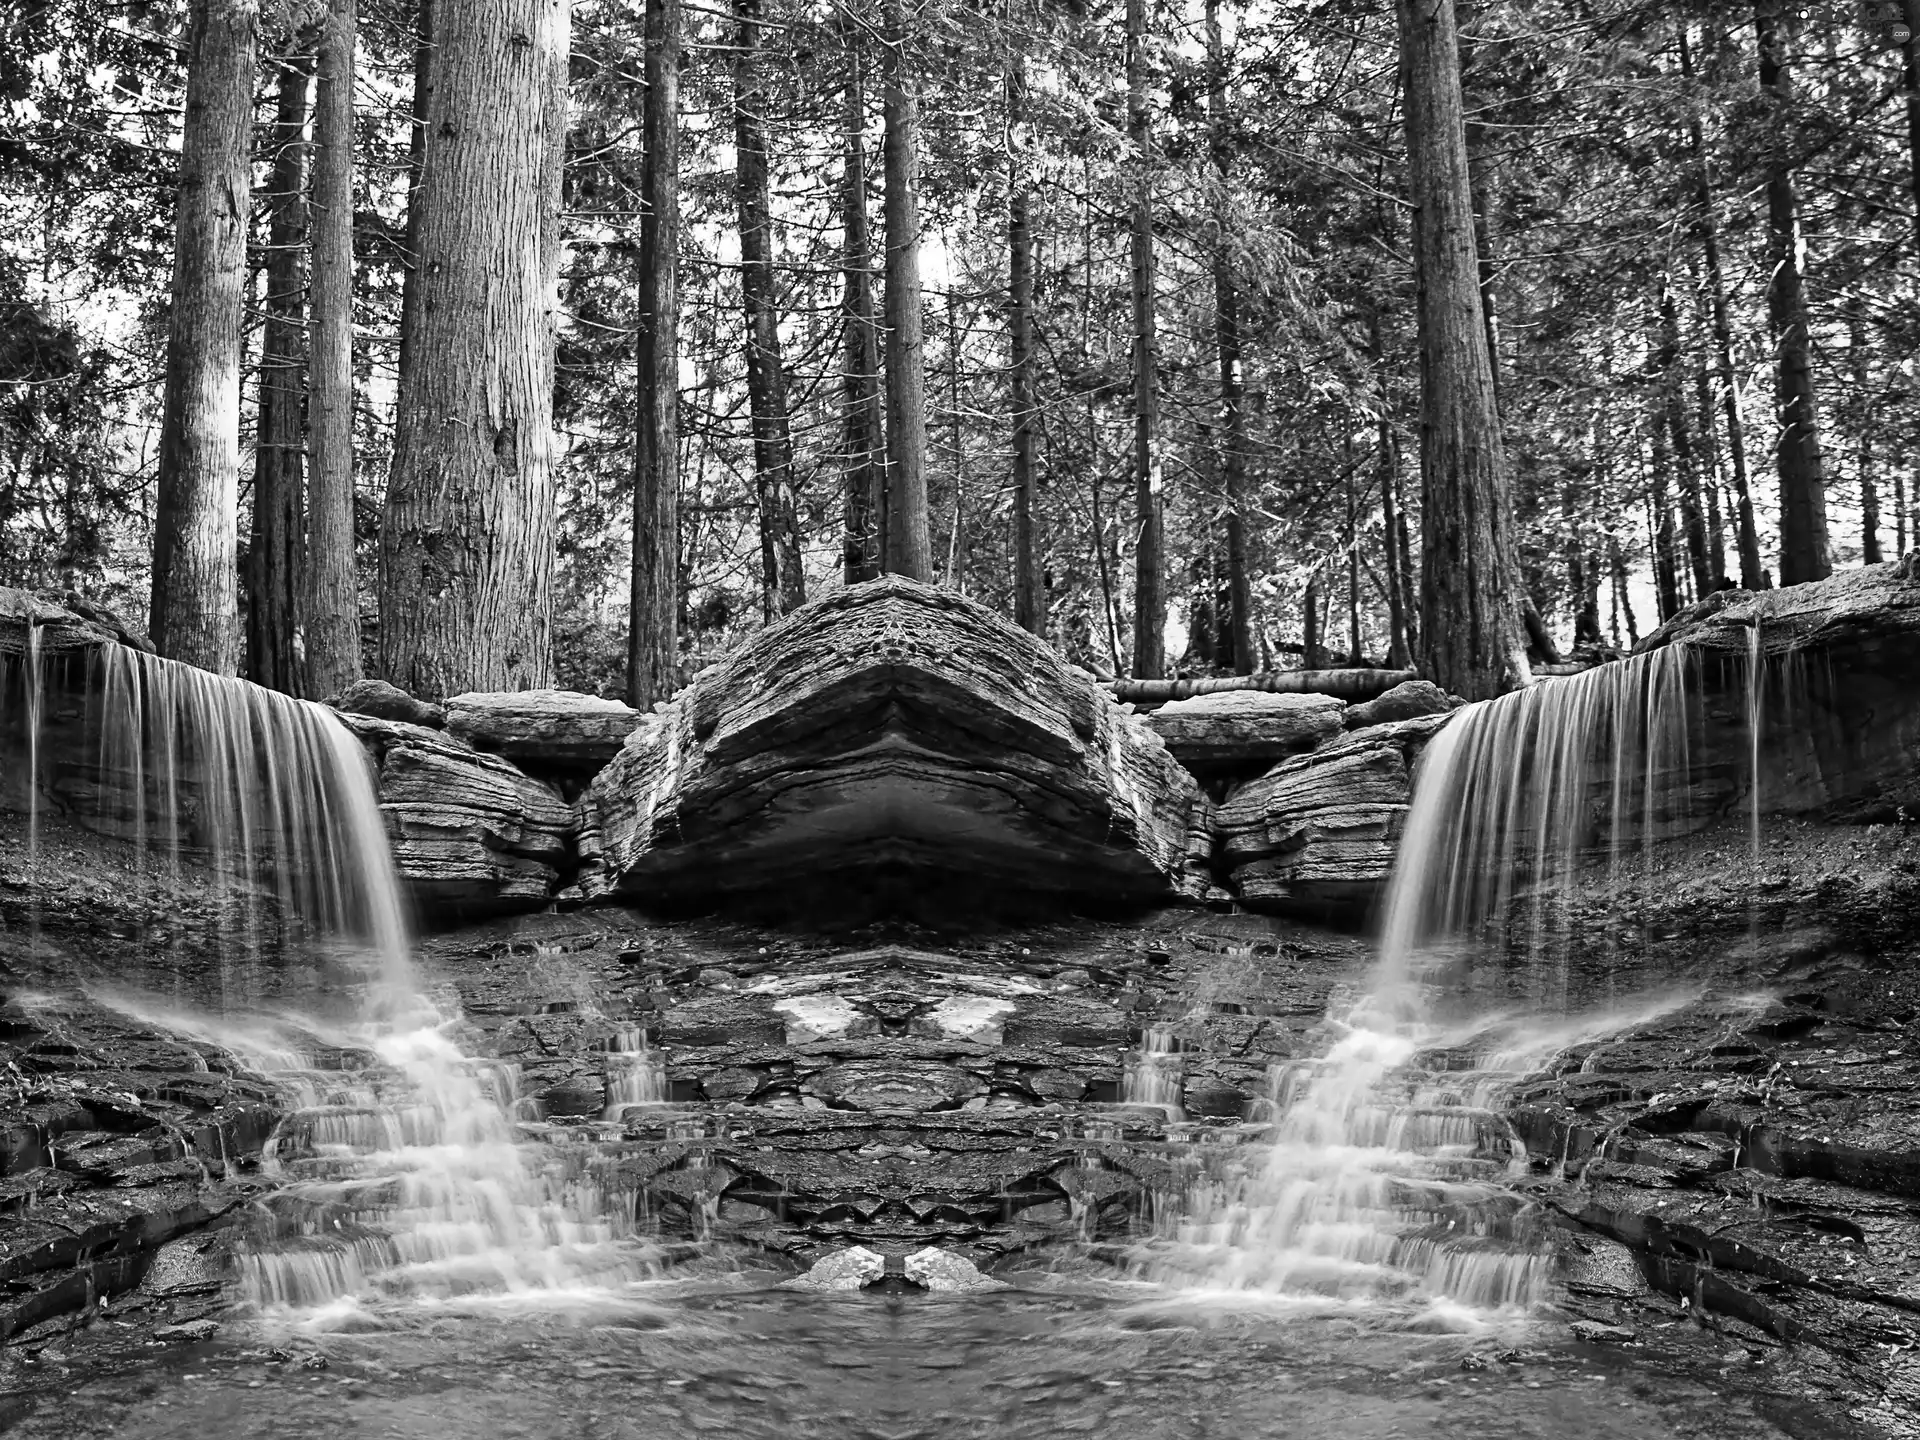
x=939, y=1269
x=1594, y=1333
x=850, y=1269
x=193, y=1330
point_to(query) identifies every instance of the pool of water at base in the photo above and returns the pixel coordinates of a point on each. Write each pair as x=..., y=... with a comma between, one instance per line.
x=745, y=1358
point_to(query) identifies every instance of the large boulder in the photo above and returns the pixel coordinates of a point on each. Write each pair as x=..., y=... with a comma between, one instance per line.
x=52, y=622
x=1233, y=729
x=894, y=728
x=471, y=834
x=1317, y=833
x=386, y=701
x=544, y=730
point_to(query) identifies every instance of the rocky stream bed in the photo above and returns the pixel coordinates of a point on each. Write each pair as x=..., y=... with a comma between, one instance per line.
x=1728, y=1178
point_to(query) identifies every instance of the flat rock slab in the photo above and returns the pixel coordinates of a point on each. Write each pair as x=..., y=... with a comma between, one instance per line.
x=894, y=728
x=1232, y=729
x=543, y=729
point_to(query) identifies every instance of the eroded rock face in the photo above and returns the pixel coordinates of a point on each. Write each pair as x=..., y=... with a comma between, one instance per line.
x=1318, y=833
x=471, y=833
x=1838, y=689
x=1233, y=729
x=894, y=727
x=543, y=730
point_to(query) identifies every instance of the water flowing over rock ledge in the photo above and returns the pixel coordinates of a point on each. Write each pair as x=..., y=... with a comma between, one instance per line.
x=897, y=1087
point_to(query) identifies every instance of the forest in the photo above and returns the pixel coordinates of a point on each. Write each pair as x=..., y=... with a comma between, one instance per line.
x=485, y=344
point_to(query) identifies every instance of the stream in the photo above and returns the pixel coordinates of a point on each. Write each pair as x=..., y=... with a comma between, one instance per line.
x=733, y=1354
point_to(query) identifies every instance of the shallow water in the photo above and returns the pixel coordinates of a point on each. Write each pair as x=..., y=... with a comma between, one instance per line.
x=740, y=1357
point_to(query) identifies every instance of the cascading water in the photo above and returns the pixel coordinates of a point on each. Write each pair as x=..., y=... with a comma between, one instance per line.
x=402, y=1173
x=1387, y=1170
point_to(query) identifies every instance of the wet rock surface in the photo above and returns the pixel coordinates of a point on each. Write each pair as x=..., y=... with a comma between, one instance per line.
x=123, y=1144
x=894, y=729
x=897, y=1088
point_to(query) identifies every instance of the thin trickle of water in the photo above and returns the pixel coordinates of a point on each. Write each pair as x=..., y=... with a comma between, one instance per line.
x=1156, y=1076
x=636, y=1073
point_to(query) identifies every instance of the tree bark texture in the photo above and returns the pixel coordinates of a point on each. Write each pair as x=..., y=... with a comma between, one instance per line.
x=653, y=634
x=909, y=539
x=1226, y=326
x=1470, y=631
x=864, y=443
x=274, y=546
x=1150, y=569
x=783, y=583
x=467, y=540
x=1803, y=498
x=332, y=590
x=1029, y=594
x=416, y=155
x=195, y=606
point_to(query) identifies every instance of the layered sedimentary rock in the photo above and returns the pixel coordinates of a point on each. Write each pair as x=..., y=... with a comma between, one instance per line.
x=894, y=728
x=543, y=730
x=1234, y=729
x=471, y=833
x=1318, y=832
x=1829, y=674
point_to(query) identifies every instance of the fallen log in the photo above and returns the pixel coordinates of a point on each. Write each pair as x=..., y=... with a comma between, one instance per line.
x=1350, y=685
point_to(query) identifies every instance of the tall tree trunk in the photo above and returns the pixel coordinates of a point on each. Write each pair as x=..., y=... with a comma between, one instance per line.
x=783, y=583
x=1710, y=475
x=1226, y=324
x=1622, y=597
x=1399, y=653
x=332, y=592
x=1899, y=510
x=195, y=611
x=1863, y=429
x=467, y=540
x=1470, y=628
x=416, y=158
x=1752, y=575
x=1803, y=499
x=1686, y=472
x=1313, y=652
x=1910, y=82
x=909, y=538
x=1150, y=573
x=864, y=430
x=1666, y=559
x=653, y=634
x=273, y=550
x=1029, y=594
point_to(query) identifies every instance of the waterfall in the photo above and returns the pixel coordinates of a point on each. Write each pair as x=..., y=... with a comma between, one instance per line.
x=1386, y=1176
x=401, y=1172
